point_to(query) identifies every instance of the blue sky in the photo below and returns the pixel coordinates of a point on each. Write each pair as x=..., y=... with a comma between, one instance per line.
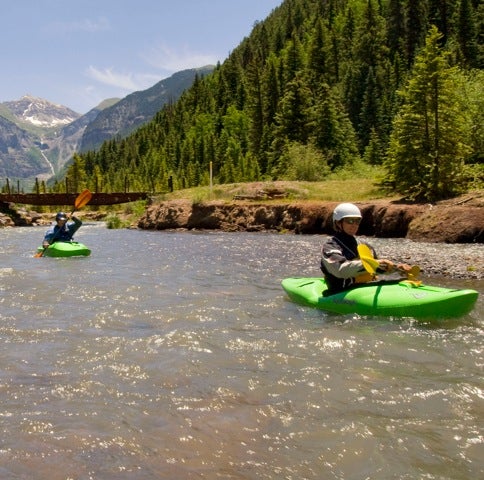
x=79, y=52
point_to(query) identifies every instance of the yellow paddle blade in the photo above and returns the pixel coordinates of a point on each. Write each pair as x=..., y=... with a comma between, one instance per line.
x=82, y=199
x=364, y=251
x=413, y=273
x=370, y=264
x=367, y=259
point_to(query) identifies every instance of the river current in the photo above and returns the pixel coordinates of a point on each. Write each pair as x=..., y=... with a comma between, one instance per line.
x=175, y=355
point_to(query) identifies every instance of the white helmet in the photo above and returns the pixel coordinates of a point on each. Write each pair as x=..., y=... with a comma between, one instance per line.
x=344, y=210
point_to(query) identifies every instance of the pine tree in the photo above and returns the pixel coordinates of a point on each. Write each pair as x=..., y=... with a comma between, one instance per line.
x=366, y=82
x=467, y=35
x=416, y=26
x=332, y=132
x=292, y=118
x=396, y=28
x=428, y=143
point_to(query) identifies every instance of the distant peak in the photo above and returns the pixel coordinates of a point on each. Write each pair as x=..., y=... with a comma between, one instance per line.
x=32, y=98
x=40, y=112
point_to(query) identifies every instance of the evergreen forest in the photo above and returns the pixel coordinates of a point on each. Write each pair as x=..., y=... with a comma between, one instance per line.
x=316, y=87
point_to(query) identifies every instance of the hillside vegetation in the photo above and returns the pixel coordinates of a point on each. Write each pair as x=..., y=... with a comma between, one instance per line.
x=315, y=88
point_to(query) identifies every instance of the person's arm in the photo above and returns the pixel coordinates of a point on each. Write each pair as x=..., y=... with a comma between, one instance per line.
x=385, y=266
x=74, y=226
x=49, y=235
x=337, y=264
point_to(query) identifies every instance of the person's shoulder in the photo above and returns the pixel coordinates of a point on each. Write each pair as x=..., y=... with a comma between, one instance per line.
x=331, y=243
x=331, y=239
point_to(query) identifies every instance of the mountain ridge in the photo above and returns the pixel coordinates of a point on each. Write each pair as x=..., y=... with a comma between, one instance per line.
x=137, y=108
x=38, y=138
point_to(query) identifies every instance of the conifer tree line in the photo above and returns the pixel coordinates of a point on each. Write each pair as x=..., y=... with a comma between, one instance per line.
x=315, y=87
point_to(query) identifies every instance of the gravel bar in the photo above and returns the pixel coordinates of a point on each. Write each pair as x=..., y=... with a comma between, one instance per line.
x=465, y=261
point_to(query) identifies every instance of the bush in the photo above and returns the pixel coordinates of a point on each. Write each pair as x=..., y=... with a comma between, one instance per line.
x=114, y=222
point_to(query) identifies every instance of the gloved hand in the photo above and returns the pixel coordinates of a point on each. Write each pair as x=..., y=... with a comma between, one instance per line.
x=412, y=272
x=403, y=267
x=385, y=266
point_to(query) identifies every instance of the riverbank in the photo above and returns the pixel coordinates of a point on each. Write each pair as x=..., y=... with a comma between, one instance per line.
x=459, y=220
x=282, y=206
x=430, y=233
x=444, y=239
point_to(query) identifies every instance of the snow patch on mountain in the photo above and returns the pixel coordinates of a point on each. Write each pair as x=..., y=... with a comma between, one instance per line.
x=40, y=112
x=53, y=122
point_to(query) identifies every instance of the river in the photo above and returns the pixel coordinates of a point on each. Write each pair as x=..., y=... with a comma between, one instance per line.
x=171, y=355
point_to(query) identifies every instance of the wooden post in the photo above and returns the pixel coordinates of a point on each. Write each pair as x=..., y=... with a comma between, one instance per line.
x=8, y=186
x=211, y=184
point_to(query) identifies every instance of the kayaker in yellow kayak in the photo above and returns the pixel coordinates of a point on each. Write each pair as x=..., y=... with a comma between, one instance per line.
x=62, y=230
x=340, y=261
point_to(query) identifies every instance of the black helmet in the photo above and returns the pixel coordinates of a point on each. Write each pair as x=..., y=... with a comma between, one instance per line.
x=61, y=216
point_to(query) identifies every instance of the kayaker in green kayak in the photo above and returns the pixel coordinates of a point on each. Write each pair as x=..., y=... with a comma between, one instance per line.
x=340, y=261
x=62, y=230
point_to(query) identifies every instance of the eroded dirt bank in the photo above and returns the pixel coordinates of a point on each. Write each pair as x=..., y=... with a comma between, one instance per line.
x=460, y=221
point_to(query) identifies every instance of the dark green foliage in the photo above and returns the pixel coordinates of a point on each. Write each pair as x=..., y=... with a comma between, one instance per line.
x=467, y=35
x=429, y=140
x=317, y=80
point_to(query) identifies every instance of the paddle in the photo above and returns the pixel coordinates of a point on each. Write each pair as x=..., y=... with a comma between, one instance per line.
x=81, y=200
x=367, y=259
x=371, y=264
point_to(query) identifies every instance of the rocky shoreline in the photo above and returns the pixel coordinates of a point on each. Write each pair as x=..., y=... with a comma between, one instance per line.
x=437, y=228
x=443, y=222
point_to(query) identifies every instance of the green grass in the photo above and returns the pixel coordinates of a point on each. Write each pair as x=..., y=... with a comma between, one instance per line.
x=359, y=183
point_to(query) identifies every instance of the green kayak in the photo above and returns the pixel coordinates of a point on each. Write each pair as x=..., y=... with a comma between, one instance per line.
x=65, y=249
x=390, y=299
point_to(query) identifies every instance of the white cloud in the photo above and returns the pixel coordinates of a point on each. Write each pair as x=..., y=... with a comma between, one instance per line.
x=125, y=81
x=171, y=60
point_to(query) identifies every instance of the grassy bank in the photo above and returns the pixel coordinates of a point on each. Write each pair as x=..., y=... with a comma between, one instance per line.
x=331, y=190
x=361, y=182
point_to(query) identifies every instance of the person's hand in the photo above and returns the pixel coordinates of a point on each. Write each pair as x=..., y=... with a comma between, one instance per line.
x=45, y=244
x=411, y=272
x=386, y=265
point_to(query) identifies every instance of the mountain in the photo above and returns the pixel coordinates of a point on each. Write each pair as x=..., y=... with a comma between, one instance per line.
x=138, y=108
x=38, y=138
x=20, y=152
x=37, y=112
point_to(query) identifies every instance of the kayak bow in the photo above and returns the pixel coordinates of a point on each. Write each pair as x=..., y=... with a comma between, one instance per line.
x=399, y=298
